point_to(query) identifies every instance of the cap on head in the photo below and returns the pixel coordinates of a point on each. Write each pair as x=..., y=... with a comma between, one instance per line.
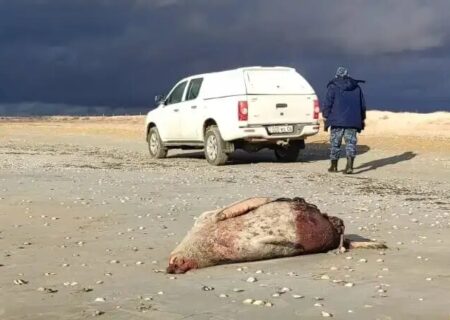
x=341, y=72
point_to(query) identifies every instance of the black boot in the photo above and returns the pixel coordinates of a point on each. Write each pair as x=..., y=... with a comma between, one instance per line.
x=349, y=167
x=333, y=167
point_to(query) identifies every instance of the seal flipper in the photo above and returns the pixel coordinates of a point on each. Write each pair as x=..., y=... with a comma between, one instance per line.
x=278, y=241
x=275, y=240
x=364, y=244
x=241, y=208
x=352, y=241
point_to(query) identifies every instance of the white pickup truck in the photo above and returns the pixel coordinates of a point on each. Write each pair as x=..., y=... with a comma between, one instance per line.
x=247, y=108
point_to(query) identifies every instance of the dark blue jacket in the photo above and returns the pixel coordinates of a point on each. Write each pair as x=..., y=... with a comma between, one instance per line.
x=344, y=105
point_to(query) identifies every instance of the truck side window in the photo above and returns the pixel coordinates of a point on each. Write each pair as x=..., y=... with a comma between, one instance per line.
x=177, y=94
x=194, y=89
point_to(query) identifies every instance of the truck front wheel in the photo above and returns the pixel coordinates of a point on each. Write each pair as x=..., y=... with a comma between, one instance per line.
x=215, y=147
x=155, y=145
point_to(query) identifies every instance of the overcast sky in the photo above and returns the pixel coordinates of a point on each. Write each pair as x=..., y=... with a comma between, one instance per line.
x=60, y=56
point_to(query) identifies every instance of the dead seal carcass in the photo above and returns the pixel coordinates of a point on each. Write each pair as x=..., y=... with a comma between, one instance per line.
x=258, y=229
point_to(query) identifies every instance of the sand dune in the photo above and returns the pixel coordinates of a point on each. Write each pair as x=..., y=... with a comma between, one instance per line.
x=435, y=124
x=384, y=130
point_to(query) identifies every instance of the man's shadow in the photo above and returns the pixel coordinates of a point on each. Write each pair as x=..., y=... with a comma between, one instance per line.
x=316, y=151
x=375, y=164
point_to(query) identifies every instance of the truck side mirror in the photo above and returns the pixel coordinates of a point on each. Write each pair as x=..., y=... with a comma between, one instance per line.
x=159, y=99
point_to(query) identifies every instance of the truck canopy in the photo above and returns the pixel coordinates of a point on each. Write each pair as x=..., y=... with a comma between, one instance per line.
x=223, y=84
x=254, y=80
x=275, y=81
x=278, y=96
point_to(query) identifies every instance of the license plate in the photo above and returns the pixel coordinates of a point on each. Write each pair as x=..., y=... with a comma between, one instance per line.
x=281, y=129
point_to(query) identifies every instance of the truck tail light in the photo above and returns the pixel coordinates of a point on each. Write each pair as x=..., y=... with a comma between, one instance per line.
x=316, y=109
x=243, y=111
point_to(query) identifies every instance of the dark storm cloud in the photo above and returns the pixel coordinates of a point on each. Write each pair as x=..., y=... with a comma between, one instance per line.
x=121, y=53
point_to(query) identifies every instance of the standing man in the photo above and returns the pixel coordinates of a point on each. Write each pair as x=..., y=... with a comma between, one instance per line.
x=344, y=111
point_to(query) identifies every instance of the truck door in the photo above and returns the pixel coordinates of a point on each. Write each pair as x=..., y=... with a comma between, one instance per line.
x=191, y=113
x=171, y=120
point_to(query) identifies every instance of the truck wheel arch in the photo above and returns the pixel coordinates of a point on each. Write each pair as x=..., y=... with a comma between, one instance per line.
x=208, y=122
x=149, y=126
x=228, y=147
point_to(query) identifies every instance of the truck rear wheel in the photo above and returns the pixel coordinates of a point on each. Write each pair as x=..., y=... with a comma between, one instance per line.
x=155, y=145
x=215, y=147
x=288, y=153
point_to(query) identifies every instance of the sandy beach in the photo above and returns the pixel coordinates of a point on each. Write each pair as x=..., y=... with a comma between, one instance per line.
x=87, y=223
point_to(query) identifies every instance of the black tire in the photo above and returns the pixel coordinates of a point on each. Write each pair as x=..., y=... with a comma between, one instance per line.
x=155, y=145
x=215, y=147
x=288, y=153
